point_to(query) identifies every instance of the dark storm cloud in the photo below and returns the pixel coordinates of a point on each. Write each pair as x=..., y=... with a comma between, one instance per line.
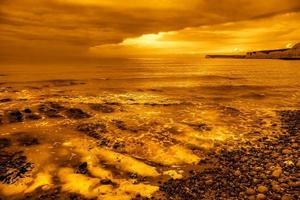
x=70, y=27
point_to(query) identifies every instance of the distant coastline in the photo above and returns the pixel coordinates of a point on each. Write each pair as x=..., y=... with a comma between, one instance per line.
x=285, y=54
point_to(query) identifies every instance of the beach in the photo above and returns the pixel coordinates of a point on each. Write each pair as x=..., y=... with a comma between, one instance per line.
x=151, y=128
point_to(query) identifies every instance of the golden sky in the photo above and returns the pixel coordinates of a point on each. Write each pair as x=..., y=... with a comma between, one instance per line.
x=80, y=29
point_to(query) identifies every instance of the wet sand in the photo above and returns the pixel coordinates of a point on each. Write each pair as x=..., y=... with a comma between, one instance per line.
x=157, y=129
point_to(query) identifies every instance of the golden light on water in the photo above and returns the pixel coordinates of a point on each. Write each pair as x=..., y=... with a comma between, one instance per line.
x=149, y=99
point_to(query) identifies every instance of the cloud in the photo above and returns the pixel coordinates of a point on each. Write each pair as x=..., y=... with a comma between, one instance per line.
x=275, y=32
x=69, y=28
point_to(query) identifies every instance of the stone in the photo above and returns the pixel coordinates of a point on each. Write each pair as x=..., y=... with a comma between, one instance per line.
x=5, y=100
x=262, y=189
x=27, y=110
x=25, y=139
x=106, y=182
x=33, y=116
x=102, y=108
x=14, y=116
x=286, y=151
x=76, y=113
x=83, y=168
x=260, y=196
x=295, y=145
x=4, y=142
x=286, y=197
x=277, y=172
x=237, y=173
x=298, y=164
x=276, y=188
x=250, y=191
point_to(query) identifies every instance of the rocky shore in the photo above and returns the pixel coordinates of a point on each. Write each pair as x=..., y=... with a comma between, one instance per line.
x=266, y=169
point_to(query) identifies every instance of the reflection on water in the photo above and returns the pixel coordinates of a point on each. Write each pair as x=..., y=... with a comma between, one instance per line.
x=119, y=129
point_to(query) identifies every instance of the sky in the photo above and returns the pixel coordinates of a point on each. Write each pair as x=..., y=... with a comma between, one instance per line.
x=66, y=30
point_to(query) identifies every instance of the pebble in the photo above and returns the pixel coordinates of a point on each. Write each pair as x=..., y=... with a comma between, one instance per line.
x=277, y=172
x=262, y=189
x=298, y=164
x=276, y=188
x=286, y=197
x=261, y=196
x=250, y=191
x=237, y=173
x=286, y=151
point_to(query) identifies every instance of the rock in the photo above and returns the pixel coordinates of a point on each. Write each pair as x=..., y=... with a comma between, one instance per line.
x=237, y=173
x=276, y=188
x=56, y=106
x=82, y=168
x=24, y=139
x=76, y=113
x=200, y=127
x=102, y=108
x=286, y=151
x=252, y=197
x=94, y=130
x=294, y=184
x=295, y=145
x=260, y=196
x=277, y=172
x=14, y=166
x=5, y=100
x=262, y=189
x=286, y=197
x=33, y=117
x=120, y=125
x=4, y=142
x=49, y=112
x=14, y=116
x=298, y=164
x=106, y=182
x=27, y=110
x=250, y=191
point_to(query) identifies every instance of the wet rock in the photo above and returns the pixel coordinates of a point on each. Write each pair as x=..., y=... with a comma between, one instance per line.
x=49, y=112
x=33, y=116
x=13, y=166
x=5, y=100
x=14, y=116
x=94, y=130
x=120, y=125
x=231, y=111
x=76, y=113
x=102, y=108
x=200, y=127
x=25, y=139
x=290, y=120
x=55, y=193
x=118, y=145
x=4, y=142
x=82, y=168
x=56, y=106
x=27, y=110
x=106, y=182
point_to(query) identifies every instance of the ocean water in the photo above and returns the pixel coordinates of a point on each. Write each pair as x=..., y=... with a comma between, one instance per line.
x=148, y=117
